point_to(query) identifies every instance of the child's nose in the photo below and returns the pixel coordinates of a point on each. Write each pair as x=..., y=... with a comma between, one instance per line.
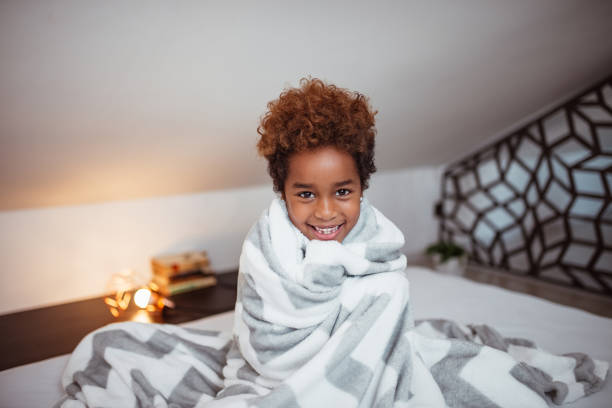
x=325, y=209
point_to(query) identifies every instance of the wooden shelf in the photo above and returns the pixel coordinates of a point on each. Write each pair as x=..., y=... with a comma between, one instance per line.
x=47, y=332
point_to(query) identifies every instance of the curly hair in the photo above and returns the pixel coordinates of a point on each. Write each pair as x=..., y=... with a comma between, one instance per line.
x=317, y=115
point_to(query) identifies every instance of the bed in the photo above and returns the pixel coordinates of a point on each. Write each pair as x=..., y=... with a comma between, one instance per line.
x=554, y=327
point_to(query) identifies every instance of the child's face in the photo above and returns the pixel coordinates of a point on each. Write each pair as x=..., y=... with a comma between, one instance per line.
x=322, y=192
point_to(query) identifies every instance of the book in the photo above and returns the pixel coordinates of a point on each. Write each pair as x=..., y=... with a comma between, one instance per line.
x=198, y=273
x=186, y=285
x=170, y=265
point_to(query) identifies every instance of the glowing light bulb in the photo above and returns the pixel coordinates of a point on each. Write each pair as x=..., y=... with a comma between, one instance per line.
x=142, y=297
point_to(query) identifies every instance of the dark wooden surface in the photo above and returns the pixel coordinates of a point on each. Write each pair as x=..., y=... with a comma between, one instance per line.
x=47, y=332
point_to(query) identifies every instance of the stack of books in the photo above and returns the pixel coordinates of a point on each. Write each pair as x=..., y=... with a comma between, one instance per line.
x=173, y=274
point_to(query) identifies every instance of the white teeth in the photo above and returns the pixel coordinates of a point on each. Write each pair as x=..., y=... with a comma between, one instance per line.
x=327, y=231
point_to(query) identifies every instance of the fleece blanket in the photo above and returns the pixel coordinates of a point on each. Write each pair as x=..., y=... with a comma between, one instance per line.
x=322, y=324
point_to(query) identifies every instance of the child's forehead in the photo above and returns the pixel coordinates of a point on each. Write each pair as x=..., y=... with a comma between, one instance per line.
x=327, y=163
x=327, y=156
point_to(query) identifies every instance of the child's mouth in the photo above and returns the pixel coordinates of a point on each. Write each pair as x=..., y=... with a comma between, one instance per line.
x=326, y=233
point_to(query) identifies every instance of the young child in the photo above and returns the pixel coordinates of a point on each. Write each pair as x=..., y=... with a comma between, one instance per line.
x=321, y=273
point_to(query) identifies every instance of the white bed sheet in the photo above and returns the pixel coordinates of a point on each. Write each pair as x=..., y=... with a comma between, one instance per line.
x=554, y=327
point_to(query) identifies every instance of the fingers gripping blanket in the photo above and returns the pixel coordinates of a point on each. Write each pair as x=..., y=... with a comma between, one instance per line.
x=321, y=323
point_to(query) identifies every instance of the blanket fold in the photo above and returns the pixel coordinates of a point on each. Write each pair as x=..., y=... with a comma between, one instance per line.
x=322, y=323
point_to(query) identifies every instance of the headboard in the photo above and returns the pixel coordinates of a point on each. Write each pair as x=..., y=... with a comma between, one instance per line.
x=537, y=202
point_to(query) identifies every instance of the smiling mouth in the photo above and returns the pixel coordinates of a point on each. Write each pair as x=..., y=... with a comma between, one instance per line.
x=326, y=232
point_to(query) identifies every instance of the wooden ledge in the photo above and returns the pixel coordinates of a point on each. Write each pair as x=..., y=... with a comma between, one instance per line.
x=47, y=332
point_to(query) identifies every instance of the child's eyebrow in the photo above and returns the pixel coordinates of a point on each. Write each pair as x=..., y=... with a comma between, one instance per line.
x=344, y=183
x=301, y=185
x=338, y=184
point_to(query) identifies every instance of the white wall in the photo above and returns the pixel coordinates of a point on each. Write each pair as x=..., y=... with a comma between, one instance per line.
x=60, y=254
x=407, y=197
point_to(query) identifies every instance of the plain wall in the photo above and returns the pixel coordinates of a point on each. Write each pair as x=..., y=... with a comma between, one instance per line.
x=60, y=254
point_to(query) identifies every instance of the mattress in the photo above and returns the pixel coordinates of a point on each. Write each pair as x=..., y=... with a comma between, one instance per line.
x=554, y=327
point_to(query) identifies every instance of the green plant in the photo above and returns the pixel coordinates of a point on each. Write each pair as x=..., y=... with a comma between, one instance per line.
x=445, y=249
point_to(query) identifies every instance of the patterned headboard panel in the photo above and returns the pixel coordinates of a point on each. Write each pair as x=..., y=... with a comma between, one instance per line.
x=538, y=201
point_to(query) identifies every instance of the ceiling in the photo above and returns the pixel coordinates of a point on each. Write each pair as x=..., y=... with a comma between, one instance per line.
x=103, y=101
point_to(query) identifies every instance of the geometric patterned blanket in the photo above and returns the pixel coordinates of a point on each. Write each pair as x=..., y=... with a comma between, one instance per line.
x=322, y=324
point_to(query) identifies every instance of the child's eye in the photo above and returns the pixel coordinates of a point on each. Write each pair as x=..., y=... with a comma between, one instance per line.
x=343, y=192
x=306, y=194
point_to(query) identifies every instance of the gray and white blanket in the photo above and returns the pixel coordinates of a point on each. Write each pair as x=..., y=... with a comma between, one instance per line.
x=322, y=324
